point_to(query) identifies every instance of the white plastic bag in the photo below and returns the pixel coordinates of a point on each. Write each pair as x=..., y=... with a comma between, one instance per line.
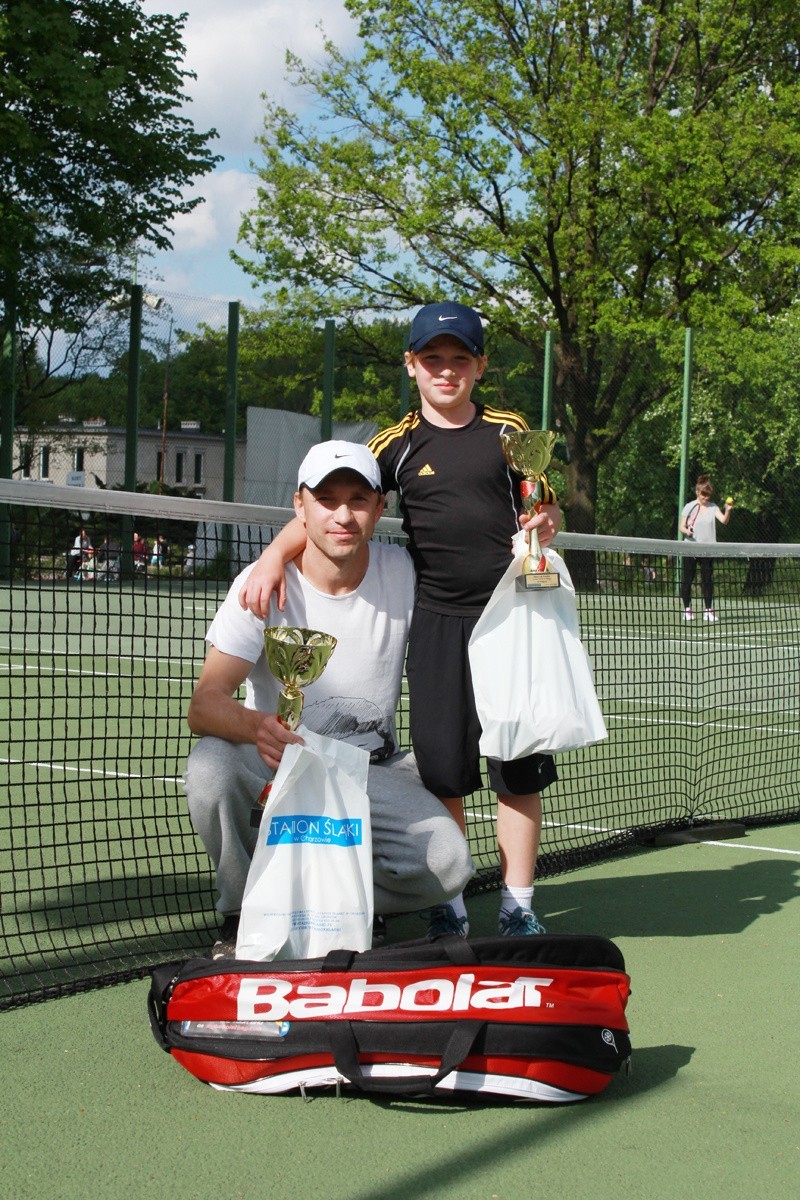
x=309, y=889
x=531, y=675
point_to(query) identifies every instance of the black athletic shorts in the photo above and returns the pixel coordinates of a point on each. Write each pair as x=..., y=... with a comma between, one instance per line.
x=445, y=729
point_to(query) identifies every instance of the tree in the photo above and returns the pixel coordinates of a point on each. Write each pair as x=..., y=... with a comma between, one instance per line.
x=613, y=170
x=95, y=157
x=746, y=425
x=50, y=361
x=745, y=433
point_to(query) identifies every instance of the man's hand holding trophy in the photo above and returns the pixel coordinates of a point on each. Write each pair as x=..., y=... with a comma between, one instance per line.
x=295, y=656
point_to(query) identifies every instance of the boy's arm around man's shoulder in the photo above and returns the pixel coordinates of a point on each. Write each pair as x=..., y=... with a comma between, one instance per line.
x=268, y=576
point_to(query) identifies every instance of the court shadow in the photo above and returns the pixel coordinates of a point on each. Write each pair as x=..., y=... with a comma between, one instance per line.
x=109, y=901
x=653, y=1067
x=669, y=903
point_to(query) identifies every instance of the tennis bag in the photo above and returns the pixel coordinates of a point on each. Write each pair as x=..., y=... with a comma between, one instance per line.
x=538, y=1018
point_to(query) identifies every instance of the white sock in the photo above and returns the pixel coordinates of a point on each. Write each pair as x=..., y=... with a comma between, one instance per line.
x=458, y=906
x=515, y=897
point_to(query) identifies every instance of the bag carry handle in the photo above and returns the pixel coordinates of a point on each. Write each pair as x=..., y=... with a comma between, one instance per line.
x=345, y=1057
x=156, y=1014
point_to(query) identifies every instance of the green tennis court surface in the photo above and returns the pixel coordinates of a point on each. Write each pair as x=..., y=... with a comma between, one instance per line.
x=712, y=1108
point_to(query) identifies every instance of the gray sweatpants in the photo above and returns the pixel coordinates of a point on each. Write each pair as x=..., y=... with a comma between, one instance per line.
x=419, y=855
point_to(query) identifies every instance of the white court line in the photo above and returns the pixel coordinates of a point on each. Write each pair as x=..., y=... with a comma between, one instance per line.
x=636, y=640
x=482, y=816
x=747, y=846
x=82, y=673
x=91, y=771
x=587, y=828
x=644, y=701
x=726, y=726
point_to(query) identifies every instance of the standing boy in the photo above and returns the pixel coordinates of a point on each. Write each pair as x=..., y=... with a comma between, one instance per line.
x=459, y=501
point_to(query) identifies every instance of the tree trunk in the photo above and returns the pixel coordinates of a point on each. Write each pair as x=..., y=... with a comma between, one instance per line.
x=761, y=570
x=580, y=515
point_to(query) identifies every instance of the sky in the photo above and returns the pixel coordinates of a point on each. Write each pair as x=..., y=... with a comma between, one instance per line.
x=237, y=50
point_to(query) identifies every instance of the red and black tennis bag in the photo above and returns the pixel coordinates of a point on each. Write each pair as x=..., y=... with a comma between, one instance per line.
x=539, y=1018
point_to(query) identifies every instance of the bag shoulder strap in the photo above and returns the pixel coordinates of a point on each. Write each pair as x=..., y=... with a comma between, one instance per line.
x=345, y=1056
x=339, y=960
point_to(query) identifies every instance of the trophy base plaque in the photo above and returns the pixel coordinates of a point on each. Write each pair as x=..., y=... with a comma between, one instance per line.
x=536, y=581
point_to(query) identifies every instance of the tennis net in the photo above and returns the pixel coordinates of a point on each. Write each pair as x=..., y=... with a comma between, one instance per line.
x=101, y=873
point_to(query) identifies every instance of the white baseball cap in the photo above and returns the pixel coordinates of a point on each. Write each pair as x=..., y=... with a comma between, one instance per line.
x=326, y=457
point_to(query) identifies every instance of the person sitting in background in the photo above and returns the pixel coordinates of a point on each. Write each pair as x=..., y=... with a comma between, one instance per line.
x=79, y=553
x=140, y=549
x=159, y=555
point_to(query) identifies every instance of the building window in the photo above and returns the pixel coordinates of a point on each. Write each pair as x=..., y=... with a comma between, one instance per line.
x=179, y=457
x=44, y=462
x=77, y=462
x=25, y=462
x=198, y=468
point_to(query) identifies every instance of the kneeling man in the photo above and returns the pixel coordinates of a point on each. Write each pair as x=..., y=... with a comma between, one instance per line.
x=362, y=592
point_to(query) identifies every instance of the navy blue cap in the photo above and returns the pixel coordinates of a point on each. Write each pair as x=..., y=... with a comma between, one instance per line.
x=456, y=319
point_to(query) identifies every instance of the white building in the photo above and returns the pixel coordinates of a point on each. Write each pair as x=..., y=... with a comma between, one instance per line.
x=92, y=454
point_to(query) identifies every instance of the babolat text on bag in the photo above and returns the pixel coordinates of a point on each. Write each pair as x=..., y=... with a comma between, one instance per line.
x=535, y=1018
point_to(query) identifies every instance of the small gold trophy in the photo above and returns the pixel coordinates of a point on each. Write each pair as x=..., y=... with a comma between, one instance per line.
x=296, y=657
x=528, y=452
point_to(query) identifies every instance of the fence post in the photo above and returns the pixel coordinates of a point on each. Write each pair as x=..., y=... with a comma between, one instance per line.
x=686, y=414
x=8, y=389
x=547, y=381
x=134, y=373
x=326, y=423
x=231, y=399
x=132, y=426
x=231, y=396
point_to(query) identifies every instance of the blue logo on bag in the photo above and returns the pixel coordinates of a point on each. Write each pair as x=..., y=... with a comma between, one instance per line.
x=316, y=831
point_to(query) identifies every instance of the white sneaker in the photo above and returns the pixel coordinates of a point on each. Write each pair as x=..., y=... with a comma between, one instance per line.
x=708, y=615
x=688, y=615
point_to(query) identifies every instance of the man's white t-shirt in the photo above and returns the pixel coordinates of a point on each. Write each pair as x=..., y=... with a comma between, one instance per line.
x=356, y=696
x=701, y=519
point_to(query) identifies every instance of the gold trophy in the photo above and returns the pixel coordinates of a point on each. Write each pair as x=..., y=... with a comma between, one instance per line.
x=528, y=452
x=296, y=657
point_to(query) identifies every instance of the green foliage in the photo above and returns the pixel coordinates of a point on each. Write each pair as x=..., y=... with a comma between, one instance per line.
x=281, y=363
x=94, y=154
x=611, y=171
x=745, y=433
x=746, y=424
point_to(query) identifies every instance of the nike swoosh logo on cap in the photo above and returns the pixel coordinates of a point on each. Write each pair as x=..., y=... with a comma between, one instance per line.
x=448, y=318
x=341, y=456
